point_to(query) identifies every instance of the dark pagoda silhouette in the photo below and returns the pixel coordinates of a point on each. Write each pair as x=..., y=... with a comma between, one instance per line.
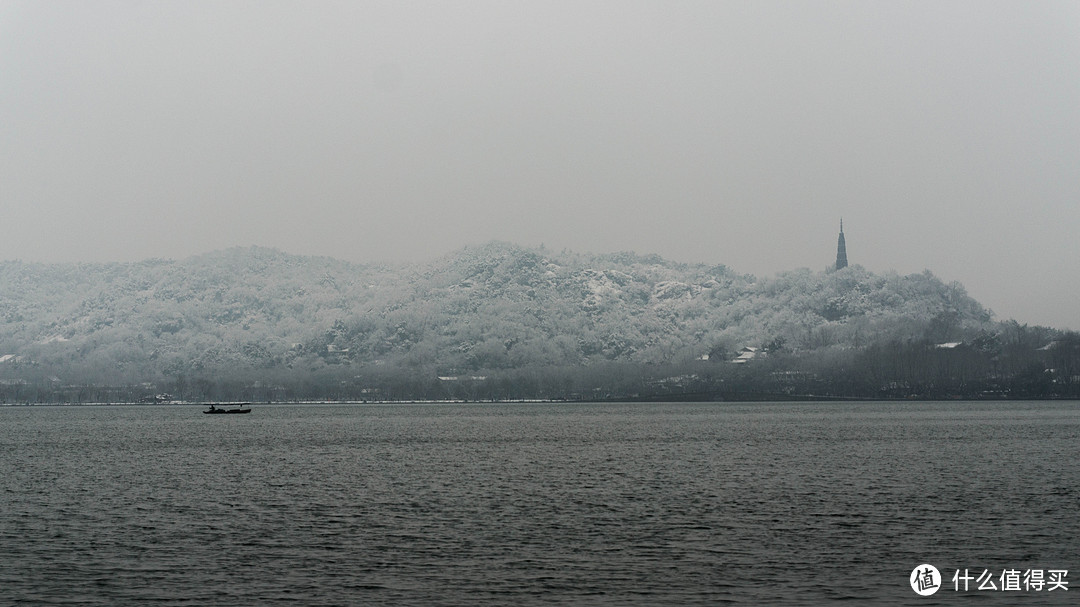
x=841, y=249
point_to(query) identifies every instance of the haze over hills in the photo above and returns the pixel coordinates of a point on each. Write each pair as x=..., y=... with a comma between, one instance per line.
x=508, y=321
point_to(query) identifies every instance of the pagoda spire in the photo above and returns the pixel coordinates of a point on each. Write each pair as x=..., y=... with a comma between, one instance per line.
x=841, y=248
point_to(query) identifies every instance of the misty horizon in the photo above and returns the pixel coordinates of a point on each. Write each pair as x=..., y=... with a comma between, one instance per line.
x=718, y=133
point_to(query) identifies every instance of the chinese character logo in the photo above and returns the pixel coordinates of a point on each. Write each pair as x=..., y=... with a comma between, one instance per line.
x=925, y=580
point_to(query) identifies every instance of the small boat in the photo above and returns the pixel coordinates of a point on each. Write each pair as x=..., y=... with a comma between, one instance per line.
x=236, y=408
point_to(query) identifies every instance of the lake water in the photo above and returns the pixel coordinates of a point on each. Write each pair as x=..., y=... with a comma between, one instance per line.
x=535, y=504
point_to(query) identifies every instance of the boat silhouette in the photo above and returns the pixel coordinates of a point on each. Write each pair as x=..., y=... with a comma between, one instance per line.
x=236, y=408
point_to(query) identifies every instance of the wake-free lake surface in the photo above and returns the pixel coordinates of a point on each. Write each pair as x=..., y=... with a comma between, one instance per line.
x=535, y=504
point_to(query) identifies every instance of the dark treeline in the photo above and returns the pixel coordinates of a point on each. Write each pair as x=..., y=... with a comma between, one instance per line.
x=1017, y=363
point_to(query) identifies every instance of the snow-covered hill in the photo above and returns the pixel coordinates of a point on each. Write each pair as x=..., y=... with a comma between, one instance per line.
x=255, y=312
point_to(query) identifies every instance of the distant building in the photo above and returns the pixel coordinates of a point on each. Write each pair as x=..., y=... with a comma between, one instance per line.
x=841, y=249
x=746, y=355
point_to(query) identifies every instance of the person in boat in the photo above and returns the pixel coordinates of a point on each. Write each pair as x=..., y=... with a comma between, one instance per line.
x=212, y=408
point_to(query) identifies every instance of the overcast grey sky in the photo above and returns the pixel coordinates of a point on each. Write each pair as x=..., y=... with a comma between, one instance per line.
x=947, y=134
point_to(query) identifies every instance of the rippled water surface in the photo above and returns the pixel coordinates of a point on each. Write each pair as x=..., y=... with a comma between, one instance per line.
x=527, y=504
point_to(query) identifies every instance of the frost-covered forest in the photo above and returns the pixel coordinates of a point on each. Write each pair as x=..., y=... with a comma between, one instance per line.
x=501, y=322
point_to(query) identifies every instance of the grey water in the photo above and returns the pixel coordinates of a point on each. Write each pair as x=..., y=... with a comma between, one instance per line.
x=535, y=504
